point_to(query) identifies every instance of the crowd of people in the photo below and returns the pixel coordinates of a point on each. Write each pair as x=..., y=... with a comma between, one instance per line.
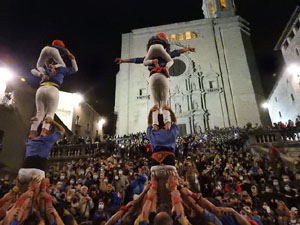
x=149, y=178
x=215, y=164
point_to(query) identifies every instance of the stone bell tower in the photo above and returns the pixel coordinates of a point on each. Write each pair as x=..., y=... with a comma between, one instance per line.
x=216, y=86
x=218, y=8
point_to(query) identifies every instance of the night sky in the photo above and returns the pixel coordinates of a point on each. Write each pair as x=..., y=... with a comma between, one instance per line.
x=92, y=31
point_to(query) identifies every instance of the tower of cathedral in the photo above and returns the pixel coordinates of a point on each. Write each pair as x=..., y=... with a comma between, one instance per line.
x=216, y=86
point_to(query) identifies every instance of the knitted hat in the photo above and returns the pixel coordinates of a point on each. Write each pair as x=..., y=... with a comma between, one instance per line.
x=58, y=43
x=162, y=35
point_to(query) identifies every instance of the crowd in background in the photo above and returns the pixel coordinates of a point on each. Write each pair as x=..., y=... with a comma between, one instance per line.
x=217, y=163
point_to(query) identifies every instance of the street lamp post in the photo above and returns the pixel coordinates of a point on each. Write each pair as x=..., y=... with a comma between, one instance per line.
x=5, y=76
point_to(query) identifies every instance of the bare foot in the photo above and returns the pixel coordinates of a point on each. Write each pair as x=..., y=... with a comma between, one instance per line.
x=155, y=127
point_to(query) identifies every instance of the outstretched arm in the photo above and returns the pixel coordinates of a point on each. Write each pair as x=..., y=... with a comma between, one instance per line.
x=56, y=124
x=138, y=60
x=73, y=61
x=183, y=50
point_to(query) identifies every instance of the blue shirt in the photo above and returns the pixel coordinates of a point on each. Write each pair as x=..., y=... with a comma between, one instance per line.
x=161, y=61
x=41, y=146
x=163, y=138
x=61, y=72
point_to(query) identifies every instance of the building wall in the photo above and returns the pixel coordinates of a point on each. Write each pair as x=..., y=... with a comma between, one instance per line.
x=217, y=87
x=281, y=105
x=15, y=122
x=87, y=126
x=284, y=99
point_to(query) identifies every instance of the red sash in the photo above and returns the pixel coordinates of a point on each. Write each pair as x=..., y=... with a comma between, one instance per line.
x=160, y=156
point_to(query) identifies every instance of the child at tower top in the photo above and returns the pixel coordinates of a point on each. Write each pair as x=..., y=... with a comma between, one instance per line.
x=55, y=52
x=161, y=39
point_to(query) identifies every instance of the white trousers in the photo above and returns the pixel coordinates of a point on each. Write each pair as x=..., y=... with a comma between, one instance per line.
x=46, y=54
x=46, y=101
x=25, y=174
x=155, y=51
x=159, y=86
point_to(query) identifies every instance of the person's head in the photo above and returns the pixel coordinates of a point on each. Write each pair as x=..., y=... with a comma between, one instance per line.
x=254, y=189
x=58, y=43
x=84, y=190
x=32, y=219
x=164, y=208
x=163, y=218
x=293, y=212
x=287, y=188
x=100, y=205
x=275, y=182
x=68, y=219
x=109, y=188
x=162, y=36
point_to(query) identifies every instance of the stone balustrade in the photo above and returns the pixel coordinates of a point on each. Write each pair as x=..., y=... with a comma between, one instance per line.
x=68, y=152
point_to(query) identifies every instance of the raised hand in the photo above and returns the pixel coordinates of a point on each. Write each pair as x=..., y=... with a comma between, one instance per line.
x=166, y=69
x=154, y=108
x=118, y=60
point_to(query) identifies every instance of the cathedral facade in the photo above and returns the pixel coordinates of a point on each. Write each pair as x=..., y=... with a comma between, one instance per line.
x=218, y=85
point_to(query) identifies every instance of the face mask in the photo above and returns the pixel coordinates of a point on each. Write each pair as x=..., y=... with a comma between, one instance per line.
x=57, y=195
x=286, y=180
x=105, y=180
x=101, y=206
x=95, y=177
x=120, y=172
x=268, y=190
x=116, y=177
x=72, y=181
x=275, y=183
x=62, y=177
x=287, y=188
x=241, y=178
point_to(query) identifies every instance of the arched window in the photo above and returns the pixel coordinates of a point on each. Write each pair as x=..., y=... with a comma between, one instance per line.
x=180, y=37
x=223, y=3
x=195, y=35
x=211, y=7
x=188, y=35
x=173, y=37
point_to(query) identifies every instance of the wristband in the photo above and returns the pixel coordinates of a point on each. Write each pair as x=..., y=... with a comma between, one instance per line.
x=176, y=200
x=150, y=198
x=44, y=184
x=172, y=184
x=196, y=196
x=48, y=200
x=20, y=201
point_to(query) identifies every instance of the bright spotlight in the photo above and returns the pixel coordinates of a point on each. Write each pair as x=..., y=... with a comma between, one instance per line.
x=5, y=74
x=293, y=69
x=101, y=122
x=78, y=98
x=265, y=105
